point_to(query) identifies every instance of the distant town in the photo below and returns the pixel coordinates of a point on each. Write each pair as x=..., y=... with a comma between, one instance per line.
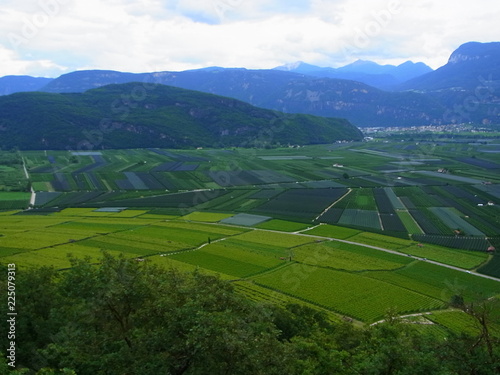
x=450, y=129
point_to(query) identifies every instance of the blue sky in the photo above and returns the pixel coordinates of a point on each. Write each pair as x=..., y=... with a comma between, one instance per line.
x=53, y=37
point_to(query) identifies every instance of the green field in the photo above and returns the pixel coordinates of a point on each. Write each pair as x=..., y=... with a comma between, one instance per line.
x=342, y=278
x=272, y=220
x=351, y=294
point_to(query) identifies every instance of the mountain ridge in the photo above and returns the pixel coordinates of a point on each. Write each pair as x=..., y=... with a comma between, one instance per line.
x=470, y=79
x=282, y=91
x=135, y=115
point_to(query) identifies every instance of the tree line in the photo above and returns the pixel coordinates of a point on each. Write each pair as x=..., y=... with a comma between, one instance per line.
x=127, y=317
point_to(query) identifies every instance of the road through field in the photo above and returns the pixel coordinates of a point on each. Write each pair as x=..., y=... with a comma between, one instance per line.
x=379, y=249
x=33, y=194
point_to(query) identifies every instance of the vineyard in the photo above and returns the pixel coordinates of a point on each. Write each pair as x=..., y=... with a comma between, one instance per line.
x=349, y=279
x=275, y=222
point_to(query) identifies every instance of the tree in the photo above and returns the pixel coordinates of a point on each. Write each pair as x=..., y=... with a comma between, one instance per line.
x=127, y=317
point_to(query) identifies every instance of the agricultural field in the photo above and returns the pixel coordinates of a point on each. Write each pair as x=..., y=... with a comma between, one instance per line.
x=344, y=279
x=14, y=200
x=352, y=294
x=311, y=224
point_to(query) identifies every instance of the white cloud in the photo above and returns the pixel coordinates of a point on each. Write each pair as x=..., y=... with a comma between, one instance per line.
x=53, y=36
x=12, y=64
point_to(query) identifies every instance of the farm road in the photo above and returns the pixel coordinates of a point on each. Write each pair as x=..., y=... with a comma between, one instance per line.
x=403, y=254
x=375, y=248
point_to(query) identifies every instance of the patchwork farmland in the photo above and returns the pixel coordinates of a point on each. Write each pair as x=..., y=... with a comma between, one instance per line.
x=353, y=229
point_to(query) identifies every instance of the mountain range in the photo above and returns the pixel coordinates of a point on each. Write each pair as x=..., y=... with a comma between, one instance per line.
x=135, y=115
x=464, y=90
x=385, y=77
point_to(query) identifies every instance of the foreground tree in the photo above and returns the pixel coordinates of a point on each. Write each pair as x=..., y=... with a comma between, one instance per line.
x=127, y=317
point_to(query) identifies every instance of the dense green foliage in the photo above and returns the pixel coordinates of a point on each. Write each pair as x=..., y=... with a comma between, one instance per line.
x=128, y=317
x=144, y=115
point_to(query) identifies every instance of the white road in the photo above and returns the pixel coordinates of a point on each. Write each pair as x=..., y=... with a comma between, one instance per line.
x=33, y=193
x=375, y=248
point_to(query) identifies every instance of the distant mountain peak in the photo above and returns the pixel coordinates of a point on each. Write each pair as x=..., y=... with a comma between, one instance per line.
x=299, y=67
x=290, y=66
x=473, y=51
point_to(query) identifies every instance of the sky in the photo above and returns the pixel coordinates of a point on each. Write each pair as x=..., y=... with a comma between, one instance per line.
x=48, y=38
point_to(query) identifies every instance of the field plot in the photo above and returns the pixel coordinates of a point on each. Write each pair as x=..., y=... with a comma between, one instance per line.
x=209, y=217
x=14, y=200
x=414, y=196
x=331, y=216
x=282, y=225
x=132, y=246
x=58, y=256
x=394, y=199
x=164, y=236
x=479, y=163
x=251, y=177
x=363, y=298
x=492, y=268
x=207, y=229
x=261, y=294
x=453, y=257
x=409, y=222
x=452, y=219
x=38, y=239
x=457, y=242
x=247, y=220
x=282, y=240
x=450, y=177
x=175, y=200
x=440, y=283
x=258, y=293
x=93, y=226
x=493, y=189
x=302, y=204
x=361, y=218
x=42, y=198
x=392, y=223
x=456, y=321
x=360, y=198
x=333, y=231
x=12, y=176
x=266, y=194
x=231, y=258
x=429, y=223
x=343, y=256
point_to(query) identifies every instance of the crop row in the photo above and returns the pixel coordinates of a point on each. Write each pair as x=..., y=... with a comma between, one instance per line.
x=361, y=297
x=301, y=203
x=342, y=256
x=492, y=268
x=457, y=242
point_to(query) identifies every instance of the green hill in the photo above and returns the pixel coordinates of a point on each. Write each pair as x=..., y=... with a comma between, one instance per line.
x=137, y=115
